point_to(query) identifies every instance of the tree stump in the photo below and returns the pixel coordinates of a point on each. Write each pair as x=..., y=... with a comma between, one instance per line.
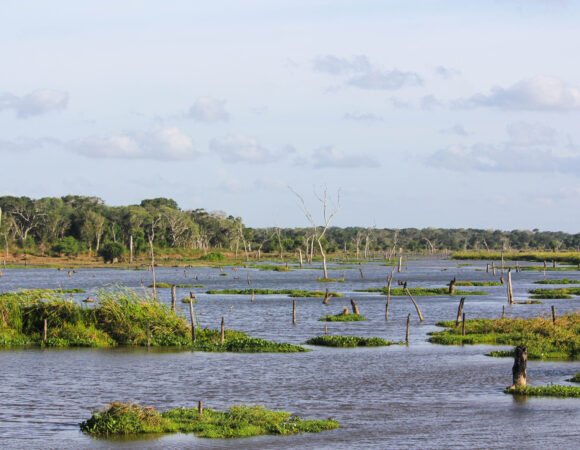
x=459, y=310
x=173, y=298
x=345, y=311
x=327, y=297
x=294, y=312
x=354, y=306
x=452, y=286
x=519, y=370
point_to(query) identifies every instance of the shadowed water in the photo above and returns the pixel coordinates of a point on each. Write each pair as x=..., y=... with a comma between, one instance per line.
x=421, y=395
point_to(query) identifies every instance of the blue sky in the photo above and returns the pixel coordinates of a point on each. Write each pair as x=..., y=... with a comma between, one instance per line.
x=425, y=113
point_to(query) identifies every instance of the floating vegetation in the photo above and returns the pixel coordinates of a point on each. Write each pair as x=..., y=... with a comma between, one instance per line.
x=478, y=283
x=273, y=267
x=564, y=257
x=239, y=421
x=563, y=281
x=529, y=302
x=543, y=293
x=329, y=280
x=575, y=378
x=543, y=338
x=168, y=285
x=551, y=390
x=290, y=292
x=342, y=317
x=120, y=317
x=347, y=341
x=419, y=291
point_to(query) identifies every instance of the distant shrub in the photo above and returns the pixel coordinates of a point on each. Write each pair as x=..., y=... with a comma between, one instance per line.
x=67, y=246
x=213, y=256
x=112, y=251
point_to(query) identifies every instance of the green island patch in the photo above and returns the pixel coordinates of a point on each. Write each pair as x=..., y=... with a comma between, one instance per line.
x=575, y=378
x=560, y=293
x=563, y=281
x=419, y=291
x=348, y=341
x=290, y=292
x=342, y=317
x=168, y=285
x=478, y=283
x=544, y=340
x=120, y=317
x=237, y=422
x=552, y=390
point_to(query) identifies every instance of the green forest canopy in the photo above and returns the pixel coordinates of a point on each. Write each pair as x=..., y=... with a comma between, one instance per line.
x=78, y=224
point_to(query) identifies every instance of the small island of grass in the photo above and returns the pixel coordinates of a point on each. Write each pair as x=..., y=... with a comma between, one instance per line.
x=125, y=419
x=551, y=390
x=575, y=378
x=343, y=317
x=420, y=292
x=544, y=340
x=561, y=293
x=168, y=285
x=298, y=293
x=563, y=281
x=348, y=341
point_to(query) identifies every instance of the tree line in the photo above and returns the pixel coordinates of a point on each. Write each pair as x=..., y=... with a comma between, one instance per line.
x=84, y=225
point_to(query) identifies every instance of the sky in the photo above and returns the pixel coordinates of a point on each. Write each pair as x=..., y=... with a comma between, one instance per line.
x=451, y=114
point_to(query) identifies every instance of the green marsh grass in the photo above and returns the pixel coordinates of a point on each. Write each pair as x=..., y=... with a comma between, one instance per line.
x=237, y=422
x=552, y=390
x=543, y=339
x=290, y=292
x=419, y=292
x=348, y=341
x=342, y=317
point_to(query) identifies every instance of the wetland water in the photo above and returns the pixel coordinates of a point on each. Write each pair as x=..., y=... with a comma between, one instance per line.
x=420, y=396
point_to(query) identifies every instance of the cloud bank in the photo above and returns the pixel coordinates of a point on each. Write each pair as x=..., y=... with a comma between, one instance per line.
x=35, y=103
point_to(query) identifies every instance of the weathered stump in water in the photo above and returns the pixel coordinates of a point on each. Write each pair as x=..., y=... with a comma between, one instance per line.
x=519, y=369
x=503, y=312
x=252, y=299
x=354, y=306
x=200, y=408
x=553, y=314
x=45, y=329
x=191, y=314
x=223, y=338
x=459, y=310
x=173, y=298
x=362, y=275
x=408, y=328
x=452, y=286
x=326, y=330
x=510, y=292
x=327, y=297
x=294, y=312
x=463, y=324
x=414, y=303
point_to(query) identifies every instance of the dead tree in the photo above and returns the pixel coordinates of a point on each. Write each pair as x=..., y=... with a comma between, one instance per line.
x=320, y=231
x=414, y=303
x=389, y=281
x=519, y=369
x=327, y=297
x=459, y=310
x=354, y=306
x=452, y=286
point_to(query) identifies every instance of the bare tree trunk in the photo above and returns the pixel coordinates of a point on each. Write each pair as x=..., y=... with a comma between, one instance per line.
x=459, y=310
x=510, y=292
x=354, y=306
x=519, y=369
x=415, y=303
x=300, y=252
x=389, y=281
x=452, y=286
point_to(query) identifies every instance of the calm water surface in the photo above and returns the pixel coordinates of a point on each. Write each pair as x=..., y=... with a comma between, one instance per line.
x=416, y=396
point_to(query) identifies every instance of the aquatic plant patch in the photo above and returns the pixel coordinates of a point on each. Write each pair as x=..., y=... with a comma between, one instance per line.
x=575, y=378
x=563, y=281
x=289, y=292
x=342, y=317
x=478, y=283
x=565, y=257
x=419, y=292
x=552, y=390
x=347, y=341
x=237, y=422
x=543, y=338
x=543, y=293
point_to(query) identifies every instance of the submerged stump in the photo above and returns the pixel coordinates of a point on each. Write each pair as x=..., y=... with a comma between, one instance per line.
x=519, y=369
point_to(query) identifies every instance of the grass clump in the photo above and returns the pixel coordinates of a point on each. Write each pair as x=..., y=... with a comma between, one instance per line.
x=290, y=292
x=575, y=378
x=348, y=341
x=237, y=422
x=552, y=390
x=419, y=291
x=563, y=281
x=329, y=280
x=168, y=285
x=239, y=342
x=564, y=257
x=560, y=293
x=213, y=257
x=543, y=339
x=342, y=317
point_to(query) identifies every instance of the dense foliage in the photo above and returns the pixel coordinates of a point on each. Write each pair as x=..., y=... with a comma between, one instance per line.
x=77, y=224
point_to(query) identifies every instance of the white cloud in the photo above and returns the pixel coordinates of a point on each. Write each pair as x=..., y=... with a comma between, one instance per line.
x=363, y=117
x=540, y=93
x=208, y=109
x=457, y=129
x=35, y=103
x=239, y=148
x=162, y=143
x=364, y=75
x=328, y=156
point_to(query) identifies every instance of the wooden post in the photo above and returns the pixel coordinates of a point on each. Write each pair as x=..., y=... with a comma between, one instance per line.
x=487, y=268
x=192, y=315
x=493, y=267
x=354, y=306
x=400, y=263
x=223, y=329
x=148, y=335
x=554, y=263
x=463, y=324
x=389, y=281
x=387, y=311
x=519, y=369
x=173, y=298
x=503, y=312
x=408, y=327
x=45, y=329
x=452, y=286
x=200, y=408
x=544, y=270
x=502, y=264
x=294, y=312
x=414, y=303
x=249, y=281
x=362, y=275
x=252, y=299
x=553, y=314
x=459, y=310
x=326, y=330
x=300, y=252
x=510, y=292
